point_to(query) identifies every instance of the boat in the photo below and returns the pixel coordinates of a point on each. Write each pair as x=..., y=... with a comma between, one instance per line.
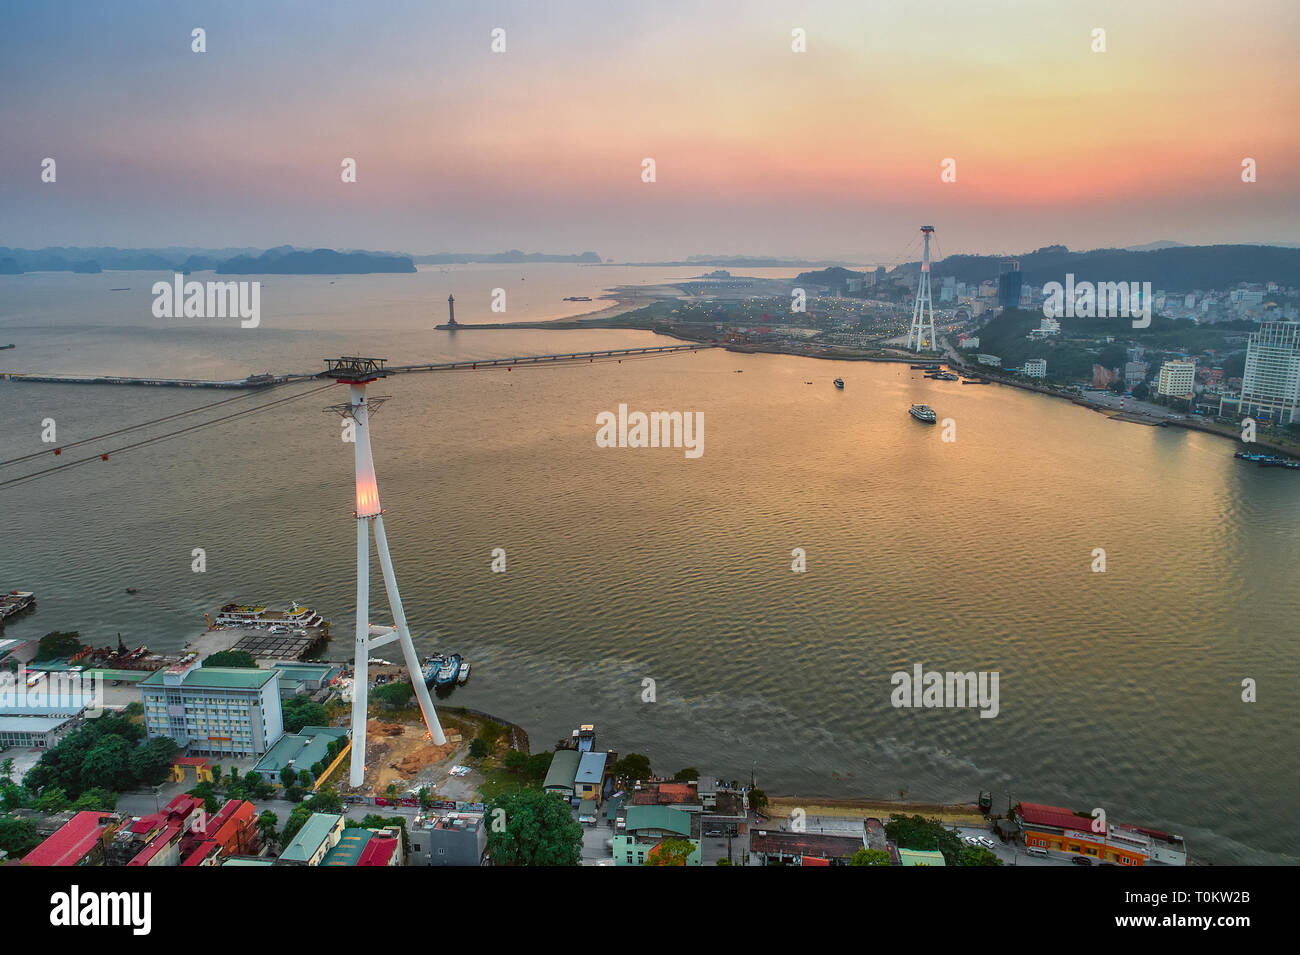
x=463, y=676
x=928, y=366
x=976, y=381
x=16, y=602
x=922, y=413
x=132, y=590
x=3, y=347
x=578, y=298
x=945, y=376
x=431, y=667
x=449, y=670
x=249, y=615
x=839, y=383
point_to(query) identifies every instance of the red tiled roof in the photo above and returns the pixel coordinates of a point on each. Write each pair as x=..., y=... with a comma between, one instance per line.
x=72, y=841
x=1036, y=814
x=378, y=851
x=190, y=761
x=157, y=844
x=819, y=845
x=813, y=860
x=661, y=794
x=201, y=852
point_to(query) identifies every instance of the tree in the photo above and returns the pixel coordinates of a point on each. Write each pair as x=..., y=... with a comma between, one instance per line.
x=917, y=832
x=266, y=824
x=288, y=776
x=977, y=855
x=240, y=659
x=52, y=799
x=686, y=775
x=670, y=852
x=538, y=830
x=7, y=772
x=477, y=748
x=297, y=819
x=1140, y=391
x=302, y=711
x=18, y=836
x=151, y=763
x=870, y=857
x=327, y=800
x=632, y=767
x=56, y=645
x=758, y=800
x=394, y=695
x=97, y=799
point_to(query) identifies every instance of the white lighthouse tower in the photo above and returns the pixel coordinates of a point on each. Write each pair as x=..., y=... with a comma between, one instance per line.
x=357, y=373
x=923, y=311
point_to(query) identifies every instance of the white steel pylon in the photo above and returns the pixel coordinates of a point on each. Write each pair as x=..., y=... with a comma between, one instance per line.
x=923, y=311
x=357, y=373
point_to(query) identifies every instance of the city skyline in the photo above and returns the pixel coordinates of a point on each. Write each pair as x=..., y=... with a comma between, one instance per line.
x=836, y=152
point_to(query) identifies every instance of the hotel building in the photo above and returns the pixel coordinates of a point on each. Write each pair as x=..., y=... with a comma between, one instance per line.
x=1062, y=830
x=1177, y=378
x=1270, y=385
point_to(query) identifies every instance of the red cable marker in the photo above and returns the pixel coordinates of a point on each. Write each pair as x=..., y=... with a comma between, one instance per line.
x=103, y=457
x=58, y=450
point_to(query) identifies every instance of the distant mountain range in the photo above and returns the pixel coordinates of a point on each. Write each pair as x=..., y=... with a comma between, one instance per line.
x=1169, y=267
x=282, y=260
x=513, y=257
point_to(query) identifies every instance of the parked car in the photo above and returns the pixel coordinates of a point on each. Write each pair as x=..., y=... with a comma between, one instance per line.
x=1081, y=860
x=986, y=842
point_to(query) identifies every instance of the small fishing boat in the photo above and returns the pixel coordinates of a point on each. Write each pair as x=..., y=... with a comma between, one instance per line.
x=839, y=383
x=463, y=676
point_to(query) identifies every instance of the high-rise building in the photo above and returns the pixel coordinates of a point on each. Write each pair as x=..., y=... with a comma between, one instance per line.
x=215, y=711
x=1009, y=284
x=1270, y=385
x=1177, y=378
x=1034, y=367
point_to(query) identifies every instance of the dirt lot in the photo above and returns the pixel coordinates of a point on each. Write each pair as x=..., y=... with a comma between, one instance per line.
x=780, y=806
x=398, y=752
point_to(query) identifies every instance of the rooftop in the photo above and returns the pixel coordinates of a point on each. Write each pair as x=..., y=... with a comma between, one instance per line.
x=564, y=767
x=310, y=837
x=591, y=768
x=234, y=678
x=662, y=818
x=804, y=843
x=304, y=748
x=73, y=840
x=1056, y=817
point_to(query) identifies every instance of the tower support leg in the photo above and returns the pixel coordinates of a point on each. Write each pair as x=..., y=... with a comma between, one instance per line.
x=361, y=674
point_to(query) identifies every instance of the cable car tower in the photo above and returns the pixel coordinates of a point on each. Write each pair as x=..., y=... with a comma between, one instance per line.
x=923, y=311
x=357, y=373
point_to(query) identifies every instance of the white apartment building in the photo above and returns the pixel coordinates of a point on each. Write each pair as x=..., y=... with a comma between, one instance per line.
x=1177, y=378
x=214, y=711
x=1270, y=385
x=1034, y=368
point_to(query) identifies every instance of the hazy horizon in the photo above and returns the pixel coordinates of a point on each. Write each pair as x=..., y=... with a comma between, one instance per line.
x=833, y=153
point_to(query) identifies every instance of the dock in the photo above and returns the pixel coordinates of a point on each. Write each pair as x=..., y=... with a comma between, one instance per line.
x=252, y=381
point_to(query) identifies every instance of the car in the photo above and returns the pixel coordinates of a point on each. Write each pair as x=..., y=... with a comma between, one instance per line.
x=1081, y=860
x=986, y=842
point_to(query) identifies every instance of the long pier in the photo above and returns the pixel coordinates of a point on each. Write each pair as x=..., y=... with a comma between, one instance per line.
x=266, y=381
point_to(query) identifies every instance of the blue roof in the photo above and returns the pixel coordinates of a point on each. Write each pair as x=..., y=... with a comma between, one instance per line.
x=591, y=768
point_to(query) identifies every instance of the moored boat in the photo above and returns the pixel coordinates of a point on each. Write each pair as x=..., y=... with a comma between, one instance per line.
x=463, y=676
x=248, y=615
x=449, y=670
x=839, y=383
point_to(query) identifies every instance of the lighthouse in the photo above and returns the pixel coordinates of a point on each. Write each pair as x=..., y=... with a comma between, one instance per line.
x=451, y=310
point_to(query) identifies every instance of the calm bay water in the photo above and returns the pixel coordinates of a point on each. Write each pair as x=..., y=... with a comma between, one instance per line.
x=1119, y=690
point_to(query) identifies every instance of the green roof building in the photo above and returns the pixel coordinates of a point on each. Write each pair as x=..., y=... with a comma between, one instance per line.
x=301, y=750
x=644, y=827
x=563, y=771
x=920, y=857
x=214, y=711
x=314, y=840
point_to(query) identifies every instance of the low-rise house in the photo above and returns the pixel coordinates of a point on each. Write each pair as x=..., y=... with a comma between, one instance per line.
x=453, y=838
x=920, y=857
x=80, y=841
x=314, y=840
x=779, y=847
x=562, y=773
x=642, y=828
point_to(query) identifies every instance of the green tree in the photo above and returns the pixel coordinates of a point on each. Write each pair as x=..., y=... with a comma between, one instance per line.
x=302, y=711
x=7, y=772
x=327, y=800
x=976, y=855
x=18, y=836
x=53, y=799
x=266, y=824
x=917, y=832
x=151, y=763
x=758, y=800
x=477, y=748
x=241, y=659
x=108, y=765
x=538, y=830
x=297, y=819
x=686, y=775
x=870, y=857
x=632, y=767
x=56, y=645
x=96, y=799
x=393, y=695
x=671, y=852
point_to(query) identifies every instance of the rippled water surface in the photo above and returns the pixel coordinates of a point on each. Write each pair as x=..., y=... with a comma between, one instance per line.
x=1118, y=689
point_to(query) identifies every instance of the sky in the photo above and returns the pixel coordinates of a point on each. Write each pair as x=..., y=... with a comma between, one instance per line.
x=836, y=152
